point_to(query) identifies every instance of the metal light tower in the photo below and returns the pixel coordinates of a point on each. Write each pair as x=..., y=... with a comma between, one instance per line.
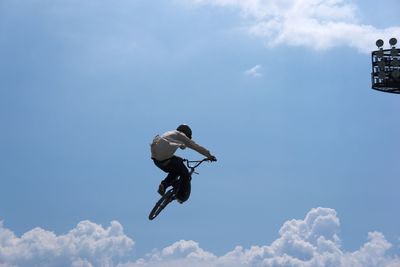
x=386, y=68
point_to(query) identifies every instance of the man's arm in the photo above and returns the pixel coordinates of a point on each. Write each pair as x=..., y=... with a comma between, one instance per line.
x=193, y=145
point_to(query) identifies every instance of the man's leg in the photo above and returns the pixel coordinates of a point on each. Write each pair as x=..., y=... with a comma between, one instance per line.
x=170, y=179
x=171, y=176
x=184, y=188
x=175, y=168
x=184, y=178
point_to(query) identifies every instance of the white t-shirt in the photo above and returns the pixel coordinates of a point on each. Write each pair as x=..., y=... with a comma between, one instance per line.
x=164, y=147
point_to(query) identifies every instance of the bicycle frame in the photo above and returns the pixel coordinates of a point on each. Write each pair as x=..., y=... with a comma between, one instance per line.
x=196, y=163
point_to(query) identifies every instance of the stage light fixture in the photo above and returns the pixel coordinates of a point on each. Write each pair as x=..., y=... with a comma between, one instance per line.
x=395, y=63
x=379, y=43
x=385, y=75
x=393, y=41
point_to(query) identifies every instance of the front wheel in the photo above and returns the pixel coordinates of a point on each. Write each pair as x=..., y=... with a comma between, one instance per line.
x=161, y=204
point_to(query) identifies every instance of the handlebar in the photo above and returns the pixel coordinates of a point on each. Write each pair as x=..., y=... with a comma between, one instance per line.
x=195, y=163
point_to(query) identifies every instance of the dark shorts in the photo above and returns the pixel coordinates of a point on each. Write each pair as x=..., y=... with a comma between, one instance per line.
x=178, y=176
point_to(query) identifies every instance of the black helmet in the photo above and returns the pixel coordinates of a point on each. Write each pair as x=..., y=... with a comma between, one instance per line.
x=185, y=129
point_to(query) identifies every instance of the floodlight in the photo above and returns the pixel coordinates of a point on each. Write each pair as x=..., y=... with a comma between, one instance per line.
x=394, y=52
x=379, y=43
x=393, y=41
x=396, y=74
x=381, y=75
x=381, y=64
x=380, y=53
x=395, y=62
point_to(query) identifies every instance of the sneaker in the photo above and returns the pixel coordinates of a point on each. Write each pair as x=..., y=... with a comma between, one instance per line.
x=161, y=189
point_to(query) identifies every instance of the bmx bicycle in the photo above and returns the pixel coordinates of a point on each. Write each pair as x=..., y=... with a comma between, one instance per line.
x=170, y=195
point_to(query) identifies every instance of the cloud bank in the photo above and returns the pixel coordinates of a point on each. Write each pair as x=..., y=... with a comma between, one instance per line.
x=319, y=24
x=309, y=242
x=87, y=245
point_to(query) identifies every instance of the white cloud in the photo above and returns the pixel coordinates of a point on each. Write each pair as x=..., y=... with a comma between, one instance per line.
x=320, y=24
x=86, y=245
x=254, y=71
x=310, y=242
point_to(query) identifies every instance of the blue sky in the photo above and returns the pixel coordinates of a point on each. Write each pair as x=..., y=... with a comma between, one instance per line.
x=279, y=91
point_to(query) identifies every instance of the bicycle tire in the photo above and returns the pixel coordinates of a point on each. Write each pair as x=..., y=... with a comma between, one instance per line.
x=161, y=204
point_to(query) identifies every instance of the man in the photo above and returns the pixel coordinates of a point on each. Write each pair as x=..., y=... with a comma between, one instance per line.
x=163, y=149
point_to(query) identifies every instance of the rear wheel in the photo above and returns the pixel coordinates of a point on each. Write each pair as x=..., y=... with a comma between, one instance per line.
x=161, y=204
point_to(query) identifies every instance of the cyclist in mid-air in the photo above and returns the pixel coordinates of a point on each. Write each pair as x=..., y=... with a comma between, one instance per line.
x=163, y=149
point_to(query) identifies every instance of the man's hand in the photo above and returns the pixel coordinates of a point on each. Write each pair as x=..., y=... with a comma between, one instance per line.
x=212, y=158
